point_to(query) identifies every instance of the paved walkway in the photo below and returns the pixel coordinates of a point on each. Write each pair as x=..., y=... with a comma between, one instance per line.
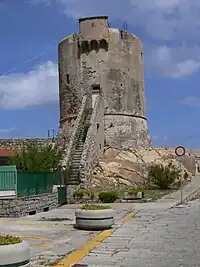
x=136, y=242
x=154, y=238
x=189, y=190
x=51, y=234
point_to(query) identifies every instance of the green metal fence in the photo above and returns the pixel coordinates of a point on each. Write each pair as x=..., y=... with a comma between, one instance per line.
x=29, y=183
x=8, y=178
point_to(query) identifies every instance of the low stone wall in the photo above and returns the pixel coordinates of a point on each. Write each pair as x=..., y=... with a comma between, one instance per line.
x=18, y=207
x=16, y=144
x=94, y=143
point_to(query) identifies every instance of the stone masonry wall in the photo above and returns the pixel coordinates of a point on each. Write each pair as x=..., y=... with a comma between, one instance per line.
x=18, y=207
x=110, y=59
x=94, y=143
x=16, y=144
x=74, y=135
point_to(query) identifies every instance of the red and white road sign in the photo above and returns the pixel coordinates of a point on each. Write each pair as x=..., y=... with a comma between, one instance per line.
x=180, y=151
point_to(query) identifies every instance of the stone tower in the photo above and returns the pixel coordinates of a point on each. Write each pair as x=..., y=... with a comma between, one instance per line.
x=100, y=59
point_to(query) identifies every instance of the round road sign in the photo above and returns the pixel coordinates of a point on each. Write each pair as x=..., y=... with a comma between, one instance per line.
x=180, y=151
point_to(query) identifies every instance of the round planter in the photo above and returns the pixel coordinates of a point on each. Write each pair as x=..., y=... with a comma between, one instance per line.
x=94, y=219
x=15, y=255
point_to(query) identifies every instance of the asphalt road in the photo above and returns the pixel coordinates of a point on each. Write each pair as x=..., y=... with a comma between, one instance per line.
x=154, y=238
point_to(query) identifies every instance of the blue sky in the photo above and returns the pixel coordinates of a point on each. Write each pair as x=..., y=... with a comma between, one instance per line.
x=31, y=29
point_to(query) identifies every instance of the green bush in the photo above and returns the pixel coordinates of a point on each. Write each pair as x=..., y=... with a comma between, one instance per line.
x=108, y=197
x=35, y=157
x=163, y=176
x=134, y=191
x=9, y=240
x=94, y=207
x=80, y=193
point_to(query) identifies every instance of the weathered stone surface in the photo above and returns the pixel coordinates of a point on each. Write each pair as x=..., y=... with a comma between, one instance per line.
x=16, y=144
x=110, y=61
x=129, y=167
x=154, y=238
x=94, y=143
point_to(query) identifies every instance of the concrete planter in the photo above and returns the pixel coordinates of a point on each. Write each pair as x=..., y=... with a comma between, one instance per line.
x=15, y=255
x=94, y=219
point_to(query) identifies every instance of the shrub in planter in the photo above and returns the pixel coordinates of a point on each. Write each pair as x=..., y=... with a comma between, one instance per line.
x=14, y=251
x=163, y=176
x=94, y=207
x=94, y=217
x=108, y=196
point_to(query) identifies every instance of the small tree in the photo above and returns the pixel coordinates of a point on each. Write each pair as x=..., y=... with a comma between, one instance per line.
x=163, y=176
x=37, y=158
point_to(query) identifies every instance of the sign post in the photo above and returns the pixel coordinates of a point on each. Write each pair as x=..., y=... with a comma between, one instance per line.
x=180, y=153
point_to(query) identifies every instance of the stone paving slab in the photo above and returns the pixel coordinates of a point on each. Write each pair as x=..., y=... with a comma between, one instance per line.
x=55, y=237
x=153, y=238
x=127, y=237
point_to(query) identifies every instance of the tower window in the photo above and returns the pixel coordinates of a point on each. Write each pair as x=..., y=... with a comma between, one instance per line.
x=94, y=45
x=103, y=44
x=67, y=78
x=85, y=47
x=96, y=88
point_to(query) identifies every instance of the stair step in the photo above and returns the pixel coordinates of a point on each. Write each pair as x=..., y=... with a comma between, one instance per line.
x=73, y=182
x=73, y=176
x=75, y=166
x=76, y=159
x=75, y=170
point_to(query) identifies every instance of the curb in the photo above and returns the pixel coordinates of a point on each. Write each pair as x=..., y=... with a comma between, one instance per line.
x=188, y=198
x=78, y=254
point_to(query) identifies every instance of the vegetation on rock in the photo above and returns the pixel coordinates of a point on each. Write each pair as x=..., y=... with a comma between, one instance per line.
x=108, y=197
x=134, y=191
x=37, y=158
x=81, y=193
x=163, y=176
x=94, y=207
x=9, y=240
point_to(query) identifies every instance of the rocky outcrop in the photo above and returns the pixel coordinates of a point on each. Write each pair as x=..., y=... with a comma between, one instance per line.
x=129, y=167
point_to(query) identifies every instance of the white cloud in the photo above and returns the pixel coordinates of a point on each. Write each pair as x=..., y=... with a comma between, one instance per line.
x=162, y=19
x=35, y=88
x=176, y=62
x=9, y=130
x=192, y=101
x=167, y=22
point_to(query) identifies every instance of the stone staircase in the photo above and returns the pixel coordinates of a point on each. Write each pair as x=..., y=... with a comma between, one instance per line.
x=73, y=175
